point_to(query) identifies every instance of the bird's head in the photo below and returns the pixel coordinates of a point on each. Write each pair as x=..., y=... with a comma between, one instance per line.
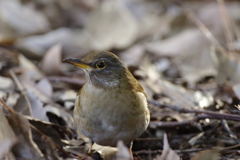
x=102, y=69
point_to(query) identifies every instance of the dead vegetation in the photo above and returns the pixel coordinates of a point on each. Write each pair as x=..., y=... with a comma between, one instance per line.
x=184, y=53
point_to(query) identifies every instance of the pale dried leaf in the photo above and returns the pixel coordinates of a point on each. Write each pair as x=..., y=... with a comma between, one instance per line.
x=167, y=153
x=6, y=145
x=132, y=56
x=206, y=155
x=20, y=18
x=6, y=83
x=30, y=69
x=25, y=148
x=12, y=99
x=123, y=152
x=38, y=98
x=45, y=87
x=227, y=66
x=68, y=95
x=193, y=140
x=73, y=42
x=52, y=60
x=7, y=136
x=236, y=90
x=37, y=107
x=113, y=18
x=6, y=131
x=108, y=153
x=191, y=51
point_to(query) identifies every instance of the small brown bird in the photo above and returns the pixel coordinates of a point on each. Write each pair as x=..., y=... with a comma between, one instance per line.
x=111, y=105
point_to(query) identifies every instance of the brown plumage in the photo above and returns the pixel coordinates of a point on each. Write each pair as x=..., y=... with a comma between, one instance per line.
x=111, y=105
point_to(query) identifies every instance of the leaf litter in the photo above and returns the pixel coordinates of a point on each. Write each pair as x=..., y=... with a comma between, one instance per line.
x=185, y=54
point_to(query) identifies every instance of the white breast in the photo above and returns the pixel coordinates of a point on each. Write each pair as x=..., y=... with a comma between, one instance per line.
x=110, y=117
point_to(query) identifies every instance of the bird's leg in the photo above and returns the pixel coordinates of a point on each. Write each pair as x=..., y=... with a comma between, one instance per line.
x=130, y=149
x=91, y=142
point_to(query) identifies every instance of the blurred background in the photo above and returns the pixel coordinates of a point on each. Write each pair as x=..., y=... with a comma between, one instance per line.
x=184, y=53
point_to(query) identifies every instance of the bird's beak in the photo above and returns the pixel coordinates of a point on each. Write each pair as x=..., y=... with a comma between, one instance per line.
x=77, y=62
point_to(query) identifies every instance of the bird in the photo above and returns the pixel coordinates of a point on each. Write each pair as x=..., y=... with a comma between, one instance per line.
x=111, y=105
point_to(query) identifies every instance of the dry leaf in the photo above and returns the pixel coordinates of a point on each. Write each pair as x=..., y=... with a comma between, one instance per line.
x=52, y=61
x=6, y=83
x=5, y=146
x=12, y=99
x=206, y=155
x=21, y=20
x=193, y=140
x=123, y=152
x=132, y=56
x=108, y=153
x=45, y=87
x=25, y=148
x=227, y=66
x=190, y=49
x=72, y=40
x=7, y=136
x=167, y=153
x=111, y=25
x=236, y=90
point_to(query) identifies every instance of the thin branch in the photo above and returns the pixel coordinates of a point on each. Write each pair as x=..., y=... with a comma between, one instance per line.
x=22, y=90
x=231, y=134
x=226, y=22
x=6, y=106
x=208, y=114
x=67, y=80
x=207, y=33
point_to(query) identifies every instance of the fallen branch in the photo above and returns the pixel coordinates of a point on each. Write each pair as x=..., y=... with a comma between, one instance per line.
x=208, y=114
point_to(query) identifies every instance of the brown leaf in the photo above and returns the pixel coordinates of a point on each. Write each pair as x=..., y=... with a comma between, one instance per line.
x=25, y=148
x=7, y=136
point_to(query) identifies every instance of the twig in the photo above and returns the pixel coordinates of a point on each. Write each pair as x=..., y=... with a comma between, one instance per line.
x=51, y=141
x=231, y=134
x=160, y=151
x=6, y=106
x=226, y=22
x=183, y=123
x=208, y=114
x=207, y=33
x=67, y=80
x=22, y=90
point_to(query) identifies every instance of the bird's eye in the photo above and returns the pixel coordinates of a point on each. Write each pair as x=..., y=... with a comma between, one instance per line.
x=100, y=64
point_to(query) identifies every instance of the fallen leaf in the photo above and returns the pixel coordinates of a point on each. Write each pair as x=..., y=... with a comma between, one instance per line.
x=6, y=83
x=206, y=155
x=7, y=136
x=45, y=87
x=25, y=148
x=5, y=146
x=123, y=152
x=12, y=99
x=72, y=41
x=167, y=153
x=136, y=51
x=113, y=18
x=52, y=61
x=20, y=19
x=227, y=66
x=193, y=140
